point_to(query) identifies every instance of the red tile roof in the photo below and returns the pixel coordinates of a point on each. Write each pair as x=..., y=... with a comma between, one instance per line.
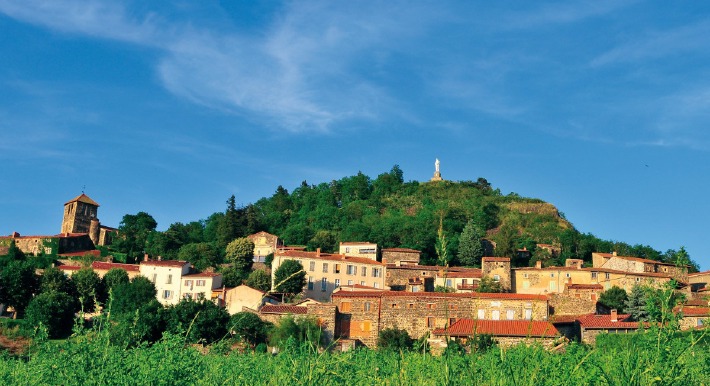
x=564, y=318
x=440, y=295
x=203, y=274
x=695, y=311
x=604, y=322
x=585, y=286
x=107, y=266
x=327, y=257
x=470, y=273
x=589, y=269
x=283, y=309
x=69, y=267
x=82, y=198
x=348, y=287
x=633, y=258
x=699, y=274
x=165, y=263
x=489, y=258
x=524, y=328
x=401, y=250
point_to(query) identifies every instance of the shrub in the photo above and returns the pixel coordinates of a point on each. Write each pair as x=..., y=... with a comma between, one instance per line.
x=299, y=331
x=394, y=339
x=55, y=310
x=249, y=327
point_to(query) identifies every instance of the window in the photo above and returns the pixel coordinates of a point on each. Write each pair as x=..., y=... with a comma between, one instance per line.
x=448, y=283
x=323, y=284
x=347, y=249
x=594, y=275
x=553, y=286
x=496, y=277
x=187, y=295
x=362, y=282
x=430, y=306
x=415, y=288
x=155, y=277
x=363, y=271
x=376, y=272
x=188, y=283
x=481, y=314
x=200, y=283
x=526, y=284
x=325, y=267
x=310, y=283
x=509, y=314
x=351, y=270
x=170, y=280
x=464, y=281
x=366, y=306
x=495, y=315
x=312, y=266
x=376, y=285
x=345, y=307
x=337, y=268
x=430, y=322
x=525, y=275
x=552, y=274
x=366, y=326
x=452, y=321
x=167, y=294
x=528, y=313
x=607, y=275
x=350, y=282
x=568, y=274
x=337, y=283
x=410, y=306
x=394, y=305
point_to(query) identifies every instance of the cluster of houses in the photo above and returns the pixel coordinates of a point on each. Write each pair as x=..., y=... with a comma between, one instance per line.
x=363, y=290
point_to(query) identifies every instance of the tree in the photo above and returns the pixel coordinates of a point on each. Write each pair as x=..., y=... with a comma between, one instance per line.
x=18, y=283
x=249, y=327
x=325, y=240
x=230, y=227
x=53, y=279
x=290, y=277
x=133, y=233
x=128, y=297
x=114, y=277
x=240, y=252
x=394, y=339
x=13, y=254
x=298, y=331
x=488, y=285
x=201, y=255
x=614, y=298
x=442, y=249
x=89, y=288
x=635, y=304
x=232, y=277
x=55, y=310
x=198, y=321
x=660, y=303
x=143, y=324
x=260, y=280
x=470, y=247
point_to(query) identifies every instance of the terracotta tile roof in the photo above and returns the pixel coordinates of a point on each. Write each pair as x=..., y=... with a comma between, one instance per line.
x=283, y=309
x=564, y=318
x=523, y=328
x=107, y=266
x=704, y=289
x=585, y=286
x=347, y=287
x=401, y=250
x=490, y=258
x=69, y=267
x=699, y=274
x=82, y=198
x=356, y=243
x=696, y=303
x=470, y=273
x=633, y=258
x=440, y=295
x=593, y=321
x=589, y=269
x=327, y=257
x=695, y=311
x=165, y=263
x=203, y=274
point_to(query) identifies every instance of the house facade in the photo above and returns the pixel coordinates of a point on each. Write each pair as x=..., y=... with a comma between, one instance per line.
x=638, y=265
x=167, y=276
x=264, y=244
x=366, y=249
x=200, y=285
x=506, y=333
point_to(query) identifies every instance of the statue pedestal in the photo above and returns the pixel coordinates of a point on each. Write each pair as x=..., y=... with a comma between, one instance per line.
x=437, y=177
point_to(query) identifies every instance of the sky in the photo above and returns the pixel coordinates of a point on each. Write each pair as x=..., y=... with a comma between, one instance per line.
x=169, y=107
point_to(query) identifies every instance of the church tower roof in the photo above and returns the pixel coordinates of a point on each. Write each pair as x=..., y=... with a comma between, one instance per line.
x=83, y=198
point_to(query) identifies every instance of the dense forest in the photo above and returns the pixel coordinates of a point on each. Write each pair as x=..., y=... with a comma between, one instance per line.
x=428, y=216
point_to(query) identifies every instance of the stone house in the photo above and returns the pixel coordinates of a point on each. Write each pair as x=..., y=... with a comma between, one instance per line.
x=365, y=249
x=200, y=285
x=274, y=313
x=242, y=298
x=401, y=256
x=167, y=276
x=498, y=268
x=466, y=280
x=638, y=265
x=400, y=275
x=699, y=280
x=506, y=333
x=65, y=243
x=694, y=317
x=590, y=326
x=264, y=244
x=325, y=272
x=362, y=315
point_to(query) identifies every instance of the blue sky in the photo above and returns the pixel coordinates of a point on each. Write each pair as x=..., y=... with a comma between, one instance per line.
x=170, y=107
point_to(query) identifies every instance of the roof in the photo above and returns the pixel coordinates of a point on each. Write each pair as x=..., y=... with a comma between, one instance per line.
x=165, y=263
x=407, y=250
x=564, y=318
x=356, y=243
x=703, y=273
x=82, y=198
x=350, y=287
x=283, y=309
x=490, y=258
x=69, y=267
x=633, y=258
x=203, y=274
x=527, y=328
x=327, y=257
x=593, y=321
x=585, y=286
x=439, y=295
x=471, y=273
x=107, y=266
x=590, y=269
x=262, y=233
x=695, y=311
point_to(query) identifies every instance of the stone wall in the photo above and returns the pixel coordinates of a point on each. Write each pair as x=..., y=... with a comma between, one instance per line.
x=325, y=314
x=590, y=336
x=564, y=304
x=396, y=255
x=492, y=266
x=397, y=277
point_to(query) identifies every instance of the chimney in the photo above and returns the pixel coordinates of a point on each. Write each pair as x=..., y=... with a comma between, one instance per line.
x=613, y=253
x=160, y=258
x=145, y=257
x=614, y=316
x=538, y=264
x=109, y=259
x=384, y=261
x=317, y=252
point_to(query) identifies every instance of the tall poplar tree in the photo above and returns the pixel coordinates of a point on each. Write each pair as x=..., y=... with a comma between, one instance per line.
x=470, y=247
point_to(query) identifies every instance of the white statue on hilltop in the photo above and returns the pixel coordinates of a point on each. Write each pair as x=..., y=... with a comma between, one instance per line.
x=436, y=165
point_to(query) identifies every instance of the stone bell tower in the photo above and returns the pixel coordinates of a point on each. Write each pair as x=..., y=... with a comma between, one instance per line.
x=79, y=214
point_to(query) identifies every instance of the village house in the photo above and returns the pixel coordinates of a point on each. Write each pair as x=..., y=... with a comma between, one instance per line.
x=699, y=280
x=638, y=265
x=497, y=268
x=200, y=285
x=466, y=280
x=505, y=333
x=694, y=317
x=264, y=244
x=401, y=256
x=590, y=326
x=325, y=272
x=167, y=276
x=101, y=268
x=362, y=314
x=242, y=298
x=359, y=249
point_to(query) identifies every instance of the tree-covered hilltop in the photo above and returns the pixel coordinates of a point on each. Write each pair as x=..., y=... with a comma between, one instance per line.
x=392, y=213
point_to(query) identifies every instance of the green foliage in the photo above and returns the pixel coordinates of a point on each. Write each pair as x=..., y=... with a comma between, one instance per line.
x=290, y=277
x=327, y=241
x=128, y=297
x=269, y=259
x=114, y=277
x=13, y=254
x=488, y=285
x=233, y=277
x=144, y=324
x=470, y=247
x=614, y=298
x=240, y=252
x=53, y=279
x=249, y=327
x=199, y=321
x=260, y=280
x=201, y=255
x=481, y=342
x=18, y=283
x=89, y=288
x=444, y=289
x=635, y=304
x=394, y=339
x=133, y=234
x=55, y=310
x=290, y=332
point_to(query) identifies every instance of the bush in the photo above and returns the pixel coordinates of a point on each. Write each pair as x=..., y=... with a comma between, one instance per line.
x=299, y=331
x=394, y=339
x=55, y=310
x=200, y=321
x=249, y=327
